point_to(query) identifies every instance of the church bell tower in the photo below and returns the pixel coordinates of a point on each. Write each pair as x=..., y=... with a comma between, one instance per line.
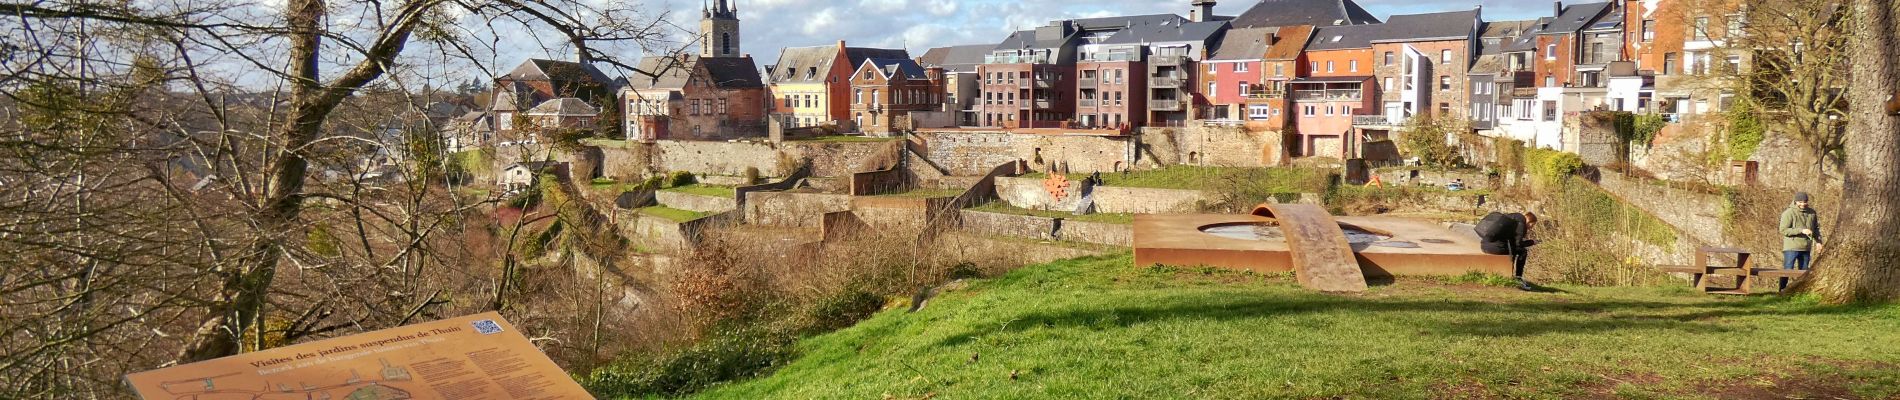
x=719, y=30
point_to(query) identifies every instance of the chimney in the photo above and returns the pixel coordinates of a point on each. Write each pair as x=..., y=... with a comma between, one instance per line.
x=840, y=44
x=1202, y=11
x=1557, y=8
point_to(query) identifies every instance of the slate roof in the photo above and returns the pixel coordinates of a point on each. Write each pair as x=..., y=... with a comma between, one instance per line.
x=956, y=58
x=662, y=72
x=1451, y=25
x=1292, y=41
x=1575, y=17
x=1244, y=44
x=892, y=67
x=733, y=72
x=1527, y=40
x=1505, y=32
x=1488, y=64
x=1338, y=37
x=1167, y=31
x=857, y=55
x=539, y=69
x=1027, y=40
x=798, y=64
x=1108, y=23
x=1272, y=13
x=565, y=106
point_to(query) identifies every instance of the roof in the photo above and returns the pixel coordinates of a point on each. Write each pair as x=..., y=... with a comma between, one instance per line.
x=472, y=116
x=1453, y=25
x=662, y=72
x=801, y=64
x=539, y=69
x=1504, y=32
x=1108, y=23
x=956, y=58
x=1339, y=37
x=1167, y=31
x=1271, y=13
x=857, y=55
x=1527, y=40
x=1610, y=22
x=891, y=67
x=1290, y=43
x=733, y=72
x=565, y=106
x=1575, y=17
x=1488, y=64
x=1244, y=44
x=1027, y=40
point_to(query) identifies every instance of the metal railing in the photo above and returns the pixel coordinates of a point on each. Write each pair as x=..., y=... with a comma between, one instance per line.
x=1372, y=119
x=1086, y=83
x=1327, y=95
x=1164, y=105
x=1015, y=59
x=1164, y=81
x=1085, y=103
x=1167, y=60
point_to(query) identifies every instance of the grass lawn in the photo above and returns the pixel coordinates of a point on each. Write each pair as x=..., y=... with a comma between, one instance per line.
x=1103, y=328
x=923, y=193
x=1281, y=180
x=846, y=139
x=705, y=190
x=677, y=215
x=1004, y=208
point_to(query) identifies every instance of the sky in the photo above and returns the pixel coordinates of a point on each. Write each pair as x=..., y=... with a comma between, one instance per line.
x=918, y=25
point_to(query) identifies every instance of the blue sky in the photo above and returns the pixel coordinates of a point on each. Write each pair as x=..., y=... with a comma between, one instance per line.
x=768, y=25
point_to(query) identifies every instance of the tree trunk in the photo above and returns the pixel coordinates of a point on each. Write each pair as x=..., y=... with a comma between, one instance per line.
x=240, y=303
x=1858, y=265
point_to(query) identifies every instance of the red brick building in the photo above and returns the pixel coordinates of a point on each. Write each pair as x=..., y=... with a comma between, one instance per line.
x=884, y=91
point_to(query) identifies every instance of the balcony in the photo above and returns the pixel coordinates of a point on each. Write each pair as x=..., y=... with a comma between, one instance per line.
x=1045, y=104
x=1165, y=81
x=1086, y=83
x=1370, y=120
x=1168, y=60
x=1327, y=95
x=1085, y=103
x=1112, y=57
x=1524, y=92
x=1265, y=94
x=1015, y=59
x=1164, y=105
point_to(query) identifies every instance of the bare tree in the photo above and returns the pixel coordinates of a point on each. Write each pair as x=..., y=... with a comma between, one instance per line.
x=1797, y=81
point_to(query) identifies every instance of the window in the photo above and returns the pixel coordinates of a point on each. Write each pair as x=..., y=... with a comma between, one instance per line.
x=1734, y=64
x=1213, y=89
x=1312, y=66
x=1312, y=110
x=1118, y=98
x=1734, y=26
x=1444, y=57
x=1387, y=85
x=1444, y=109
x=1242, y=90
x=1240, y=67
x=1701, y=29
x=859, y=96
x=1550, y=81
x=1550, y=111
x=1550, y=51
x=722, y=106
x=1444, y=83
x=1329, y=66
x=1352, y=65
x=1258, y=112
x=1669, y=63
x=1649, y=30
x=1279, y=69
x=1388, y=58
x=1329, y=110
x=1211, y=67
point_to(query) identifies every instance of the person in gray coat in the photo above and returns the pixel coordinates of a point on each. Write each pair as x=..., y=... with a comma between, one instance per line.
x=1800, y=235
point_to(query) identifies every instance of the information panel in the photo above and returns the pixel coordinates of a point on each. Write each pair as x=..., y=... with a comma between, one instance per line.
x=474, y=357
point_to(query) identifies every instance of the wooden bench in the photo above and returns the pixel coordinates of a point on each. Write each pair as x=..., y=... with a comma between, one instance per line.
x=1740, y=269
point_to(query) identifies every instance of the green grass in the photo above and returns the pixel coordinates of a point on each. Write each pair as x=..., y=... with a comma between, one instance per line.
x=846, y=139
x=677, y=215
x=705, y=190
x=1103, y=328
x=1004, y=208
x=1280, y=180
x=603, y=142
x=1588, y=205
x=923, y=193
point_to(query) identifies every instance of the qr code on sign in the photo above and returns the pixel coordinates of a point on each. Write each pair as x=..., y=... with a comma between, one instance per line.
x=487, y=326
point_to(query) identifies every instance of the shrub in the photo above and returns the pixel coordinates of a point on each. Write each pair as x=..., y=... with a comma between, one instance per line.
x=728, y=354
x=840, y=310
x=680, y=178
x=1745, y=132
x=751, y=175
x=1551, y=166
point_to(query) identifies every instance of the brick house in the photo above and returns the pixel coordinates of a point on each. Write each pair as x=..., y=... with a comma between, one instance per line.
x=1337, y=85
x=563, y=113
x=885, y=90
x=1424, y=61
x=811, y=86
x=1235, y=72
x=960, y=80
x=689, y=97
x=536, y=81
x=1284, y=61
x=1491, y=76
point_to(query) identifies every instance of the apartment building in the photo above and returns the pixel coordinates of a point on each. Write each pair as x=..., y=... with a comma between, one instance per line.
x=960, y=80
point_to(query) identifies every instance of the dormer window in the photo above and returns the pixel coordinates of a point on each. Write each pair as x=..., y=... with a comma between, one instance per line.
x=811, y=72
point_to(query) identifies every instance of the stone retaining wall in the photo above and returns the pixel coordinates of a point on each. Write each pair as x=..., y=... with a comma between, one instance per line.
x=801, y=210
x=1044, y=228
x=694, y=202
x=1028, y=193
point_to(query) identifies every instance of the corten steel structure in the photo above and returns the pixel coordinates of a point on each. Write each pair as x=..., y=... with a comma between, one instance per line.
x=1180, y=239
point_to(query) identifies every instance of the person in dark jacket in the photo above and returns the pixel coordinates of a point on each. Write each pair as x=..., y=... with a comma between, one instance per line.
x=1800, y=235
x=1516, y=243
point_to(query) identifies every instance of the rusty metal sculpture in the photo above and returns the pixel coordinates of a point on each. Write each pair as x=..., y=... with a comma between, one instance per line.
x=1057, y=185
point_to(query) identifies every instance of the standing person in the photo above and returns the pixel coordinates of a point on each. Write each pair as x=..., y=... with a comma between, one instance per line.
x=1508, y=234
x=1800, y=235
